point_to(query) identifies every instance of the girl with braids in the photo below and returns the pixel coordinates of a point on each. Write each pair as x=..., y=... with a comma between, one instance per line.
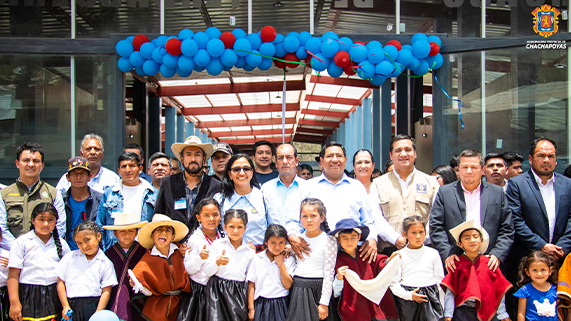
x=313, y=280
x=207, y=212
x=32, y=263
x=86, y=276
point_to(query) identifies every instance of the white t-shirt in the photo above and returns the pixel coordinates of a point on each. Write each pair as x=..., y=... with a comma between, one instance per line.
x=267, y=277
x=133, y=198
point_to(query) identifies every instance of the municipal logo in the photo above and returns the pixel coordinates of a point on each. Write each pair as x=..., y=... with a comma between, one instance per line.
x=545, y=19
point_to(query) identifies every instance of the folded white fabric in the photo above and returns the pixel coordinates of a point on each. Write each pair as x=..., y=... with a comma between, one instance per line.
x=375, y=289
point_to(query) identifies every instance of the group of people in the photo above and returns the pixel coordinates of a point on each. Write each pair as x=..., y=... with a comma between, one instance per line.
x=257, y=241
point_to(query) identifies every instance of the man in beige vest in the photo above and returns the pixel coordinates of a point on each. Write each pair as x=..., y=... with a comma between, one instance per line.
x=405, y=191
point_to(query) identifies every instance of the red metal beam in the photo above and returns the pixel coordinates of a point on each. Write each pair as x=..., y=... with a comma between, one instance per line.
x=318, y=123
x=251, y=132
x=260, y=108
x=342, y=81
x=244, y=141
x=314, y=131
x=325, y=113
x=245, y=122
x=237, y=88
x=333, y=100
x=309, y=139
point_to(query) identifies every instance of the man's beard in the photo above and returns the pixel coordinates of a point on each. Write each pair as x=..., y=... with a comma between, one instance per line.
x=192, y=171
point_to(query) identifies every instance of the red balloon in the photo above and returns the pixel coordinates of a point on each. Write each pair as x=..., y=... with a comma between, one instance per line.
x=349, y=70
x=434, y=49
x=290, y=56
x=359, y=41
x=268, y=34
x=342, y=58
x=173, y=47
x=228, y=39
x=138, y=41
x=280, y=64
x=395, y=43
x=308, y=61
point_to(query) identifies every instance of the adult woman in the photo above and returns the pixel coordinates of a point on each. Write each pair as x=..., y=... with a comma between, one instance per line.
x=445, y=174
x=363, y=165
x=241, y=190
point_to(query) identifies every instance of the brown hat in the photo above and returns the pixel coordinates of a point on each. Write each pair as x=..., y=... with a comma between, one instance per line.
x=78, y=162
x=195, y=141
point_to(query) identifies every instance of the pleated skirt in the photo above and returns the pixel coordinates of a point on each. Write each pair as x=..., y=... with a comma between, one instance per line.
x=426, y=311
x=226, y=300
x=304, y=297
x=83, y=308
x=40, y=302
x=4, y=304
x=270, y=309
x=193, y=304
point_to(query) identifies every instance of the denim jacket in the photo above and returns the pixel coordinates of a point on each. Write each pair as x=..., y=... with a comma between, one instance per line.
x=112, y=202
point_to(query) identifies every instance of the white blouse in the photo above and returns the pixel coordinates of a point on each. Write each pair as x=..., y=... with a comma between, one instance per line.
x=267, y=277
x=238, y=260
x=193, y=263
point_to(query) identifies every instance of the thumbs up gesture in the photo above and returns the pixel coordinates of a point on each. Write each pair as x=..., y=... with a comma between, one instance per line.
x=204, y=253
x=222, y=259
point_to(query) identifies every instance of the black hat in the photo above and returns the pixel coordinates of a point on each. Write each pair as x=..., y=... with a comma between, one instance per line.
x=350, y=224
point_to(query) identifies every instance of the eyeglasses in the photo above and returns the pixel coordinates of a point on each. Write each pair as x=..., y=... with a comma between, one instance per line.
x=237, y=170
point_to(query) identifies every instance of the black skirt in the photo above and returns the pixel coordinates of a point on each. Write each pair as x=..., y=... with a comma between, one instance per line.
x=270, y=309
x=4, y=304
x=426, y=311
x=226, y=300
x=464, y=313
x=40, y=302
x=83, y=308
x=193, y=304
x=304, y=297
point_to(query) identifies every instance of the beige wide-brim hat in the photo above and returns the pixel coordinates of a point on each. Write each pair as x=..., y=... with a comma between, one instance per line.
x=125, y=221
x=145, y=237
x=194, y=141
x=471, y=225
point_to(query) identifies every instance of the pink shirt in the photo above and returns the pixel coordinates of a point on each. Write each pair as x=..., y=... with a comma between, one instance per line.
x=472, y=203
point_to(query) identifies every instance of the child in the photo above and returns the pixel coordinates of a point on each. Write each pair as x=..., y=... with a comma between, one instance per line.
x=416, y=285
x=227, y=265
x=352, y=305
x=160, y=273
x=32, y=263
x=538, y=295
x=313, y=280
x=269, y=278
x=207, y=213
x=474, y=292
x=86, y=276
x=125, y=254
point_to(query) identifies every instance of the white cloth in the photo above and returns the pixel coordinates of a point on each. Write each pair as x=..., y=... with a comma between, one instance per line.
x=472, y=200
x=83, y=277
x=238, y=260
x=266, y=276
x=4, y=269
x=449, y=306
x=321, y=263
x=105, y=178
x=193, y=263
x=548, y=194
x=375, y=289
x=133, y=198
x=36, y=260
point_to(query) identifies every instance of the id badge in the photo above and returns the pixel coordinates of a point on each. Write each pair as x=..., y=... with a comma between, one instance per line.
x=180, y=204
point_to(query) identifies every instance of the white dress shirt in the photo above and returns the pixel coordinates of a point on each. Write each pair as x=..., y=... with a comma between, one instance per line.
x=472, y=203
x=193, y=263
x=36, y=260
x=266, y=276
x=405, y=183
x=238, y=260
x=548, y=194
x=284, y=202
x=105, y=178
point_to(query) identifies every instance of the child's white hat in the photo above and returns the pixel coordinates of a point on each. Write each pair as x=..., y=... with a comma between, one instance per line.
x=125, y=221
x=145, y=237
x=471, y=225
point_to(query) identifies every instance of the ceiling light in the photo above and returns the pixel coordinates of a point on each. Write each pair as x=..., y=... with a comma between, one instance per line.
x=278, y=4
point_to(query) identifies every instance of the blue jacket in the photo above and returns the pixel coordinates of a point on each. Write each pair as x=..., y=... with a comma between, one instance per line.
x=112, y=202
x=90, y=212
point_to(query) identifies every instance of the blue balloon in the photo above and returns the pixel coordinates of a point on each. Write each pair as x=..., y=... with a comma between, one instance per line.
x=150, y=67
x=130, y=39
x=228, y=58
x=183, y=73
x=329, y=35
x=413, y=64
x=291, y=44
x=189, y=47
x=170, y=61
x=303, y=37
x=391, y=51
x=409, y=47
x=358, y=52
x=185, y=63
x=215, y=47
x=214, y=67
x=398, y=70
x=171, y=37
x=162, y=40
x=254, y=59
x=167, y=72
x=436, y=39
x=104, y=315
x=201, y=39
x=280, y=50
x=242, y=47
x=241, y=62
x=422, y=68
x=375, y=54
x=124, y=48
x=185, y=34
x=199, y=68
x=319, y=62
x=345, y=44
x=124, y=64
x=279, y=38
x=158, y=54
x=265, y=64
x=404, y=57
x=374, y=44
x=329, y=47
x=136, y=59
x=202, y=58
x=248, y=67
x=154, y=42
x=367, y=70
x=333, y=70
x=147, y=50
x=292, y=34
x=313, y=45
x=268, y=49
x=239, y=33
x=140, y=71
x=301, y=53
x=213, y=33
x=417, y=37
x=254, y=40
x=378, y=80
x=436, y=61
x=226, y=68
x=384, y=68
x=421, y=49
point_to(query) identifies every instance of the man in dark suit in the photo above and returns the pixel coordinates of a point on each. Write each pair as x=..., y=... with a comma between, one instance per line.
x=471, y=199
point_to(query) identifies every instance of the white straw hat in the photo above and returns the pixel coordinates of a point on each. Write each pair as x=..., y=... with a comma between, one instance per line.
x=471, y=225
x=195, y=141
x=125, y=221
x=145, y=237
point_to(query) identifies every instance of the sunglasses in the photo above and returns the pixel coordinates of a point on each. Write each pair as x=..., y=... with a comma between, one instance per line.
x=237, y=170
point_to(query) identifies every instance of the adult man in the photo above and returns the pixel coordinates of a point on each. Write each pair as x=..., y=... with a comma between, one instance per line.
x=92, y=149
x=263, y=153
x=175, y=166
x=81, y=202
x=466, y=200
x=159, y=167
x=344, y=197
x=495, y=170
x=220, y=156
x=19, y=199
x=130, y=194
x=513, y=161
x=283, y=193
x=137, y=149
x=405, y=191
x=180, y=192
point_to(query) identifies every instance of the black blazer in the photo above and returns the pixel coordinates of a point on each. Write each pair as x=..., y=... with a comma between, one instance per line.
x=530, y=217
x=173, y=188
x=449, y=210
